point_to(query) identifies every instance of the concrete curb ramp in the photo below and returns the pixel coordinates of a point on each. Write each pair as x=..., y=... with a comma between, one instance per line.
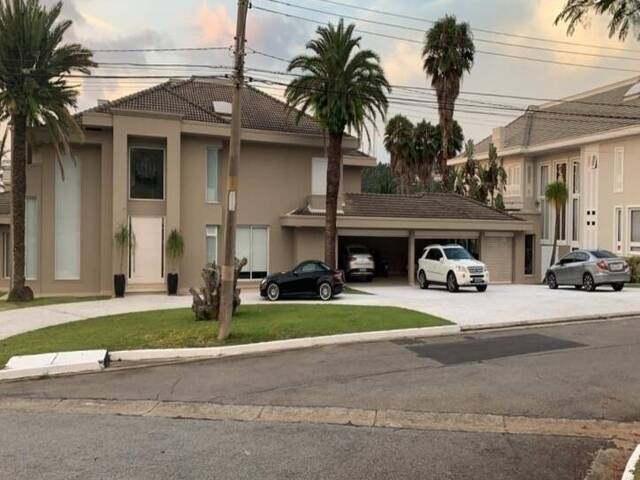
x=632, y=464
x=28, y=366
x=618, y=432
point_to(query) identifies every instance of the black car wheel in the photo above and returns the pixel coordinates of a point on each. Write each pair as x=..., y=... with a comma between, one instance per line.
x=325, y=291
x=552, y=281
x=481, y=288
x=452, y=283
x=273, y=292
x=422, y=280
x=588, y=283
x=617, y=287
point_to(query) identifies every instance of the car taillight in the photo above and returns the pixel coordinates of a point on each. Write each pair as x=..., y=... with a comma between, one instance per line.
x=602, y=265
x=339, y=276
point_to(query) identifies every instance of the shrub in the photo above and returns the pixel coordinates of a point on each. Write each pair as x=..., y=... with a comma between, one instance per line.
x=634, y=264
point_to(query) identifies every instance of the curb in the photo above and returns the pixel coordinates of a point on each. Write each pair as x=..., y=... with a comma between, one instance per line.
x=282, y=345
x=632, y=464
x=549, y=321
x=47, y=364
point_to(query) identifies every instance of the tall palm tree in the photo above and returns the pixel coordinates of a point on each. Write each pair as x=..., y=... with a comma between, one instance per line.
x=398, y=140
x=345, y=87
x=33, y=91
x=425, y=151
x=556, y=194
x=494, y=175
x=448, y=53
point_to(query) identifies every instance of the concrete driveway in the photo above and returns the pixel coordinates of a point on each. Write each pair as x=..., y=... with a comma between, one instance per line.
x=504, y=304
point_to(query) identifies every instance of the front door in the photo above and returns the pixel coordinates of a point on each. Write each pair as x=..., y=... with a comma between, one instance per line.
x=146, y=255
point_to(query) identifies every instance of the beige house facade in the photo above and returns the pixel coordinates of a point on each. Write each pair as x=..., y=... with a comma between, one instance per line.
x=156, y=161
x=590, y=141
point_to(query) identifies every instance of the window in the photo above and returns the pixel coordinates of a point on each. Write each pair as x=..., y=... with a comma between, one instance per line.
x=434, y=254
x=561, y=176
x=212, y=174
x=146, y=173
x=312, y=267
x=457, y=254
x=545, y=208
x=252, y=244
x=529, y=254
x=529, y=180
x=618, y=170
x=212, y=243
x=67, y=220
x=575, y=202
x=6, y=254
x=617, y=229
x=31, y=239
x=319, y=176
x=634, y=230
x=514, y=180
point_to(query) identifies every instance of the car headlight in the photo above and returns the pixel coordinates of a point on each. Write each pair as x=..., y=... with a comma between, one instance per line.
x=264, y=281
x=461, y=269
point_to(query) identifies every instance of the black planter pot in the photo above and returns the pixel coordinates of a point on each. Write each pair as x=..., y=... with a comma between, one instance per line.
x=119, y=285
x=172, y=283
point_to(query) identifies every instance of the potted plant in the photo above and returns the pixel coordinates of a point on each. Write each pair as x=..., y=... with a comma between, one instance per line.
x=175, y=249
x=123, y=238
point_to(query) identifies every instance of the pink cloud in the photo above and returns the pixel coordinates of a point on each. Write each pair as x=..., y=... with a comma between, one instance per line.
x=215, y=24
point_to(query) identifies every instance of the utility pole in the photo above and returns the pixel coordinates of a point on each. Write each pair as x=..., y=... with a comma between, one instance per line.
x=229, y=239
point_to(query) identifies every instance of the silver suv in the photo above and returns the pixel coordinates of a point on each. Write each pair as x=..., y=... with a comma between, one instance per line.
x=588, y=269
x=358, y=263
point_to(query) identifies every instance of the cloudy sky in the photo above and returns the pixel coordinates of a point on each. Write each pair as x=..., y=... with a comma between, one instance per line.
x=139, y=24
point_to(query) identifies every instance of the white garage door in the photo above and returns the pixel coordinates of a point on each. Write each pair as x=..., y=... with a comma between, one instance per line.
x=497, y=253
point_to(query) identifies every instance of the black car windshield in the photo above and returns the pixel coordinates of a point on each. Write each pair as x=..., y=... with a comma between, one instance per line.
x=358, y=250
x=457, y=253
x=603, y=254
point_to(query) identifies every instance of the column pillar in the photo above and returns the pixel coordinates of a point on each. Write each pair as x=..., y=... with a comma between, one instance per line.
x=411, y=264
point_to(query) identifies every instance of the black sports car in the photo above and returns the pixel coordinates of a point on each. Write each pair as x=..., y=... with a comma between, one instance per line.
x=312, y=278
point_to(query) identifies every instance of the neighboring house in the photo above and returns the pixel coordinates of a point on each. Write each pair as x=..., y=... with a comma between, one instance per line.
x=157, y=160
x=590, y=141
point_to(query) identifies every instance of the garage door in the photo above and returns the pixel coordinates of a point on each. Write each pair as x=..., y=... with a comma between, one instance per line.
x=497, y=253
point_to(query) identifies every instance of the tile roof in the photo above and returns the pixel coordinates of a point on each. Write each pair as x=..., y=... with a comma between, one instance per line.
x=193, y=98
x=603, y=110
x=5, y=203
x=418, y=206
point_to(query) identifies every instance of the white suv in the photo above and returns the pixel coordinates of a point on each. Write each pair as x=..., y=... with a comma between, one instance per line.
x=453, y=266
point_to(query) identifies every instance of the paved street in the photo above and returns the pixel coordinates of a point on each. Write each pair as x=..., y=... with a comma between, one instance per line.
x=579, y=371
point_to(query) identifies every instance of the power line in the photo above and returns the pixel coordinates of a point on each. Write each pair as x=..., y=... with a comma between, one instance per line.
x=483, y=30
x=177, y=49
x=483, y=52
x=476, y=39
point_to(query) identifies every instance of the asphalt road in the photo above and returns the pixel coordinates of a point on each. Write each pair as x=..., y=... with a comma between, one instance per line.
x=581, y=371
x=65, y=446
x=576, y=371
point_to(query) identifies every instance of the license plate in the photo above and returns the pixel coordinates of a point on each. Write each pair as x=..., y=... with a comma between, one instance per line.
x=615, y=267
x=476, y=280
x=362, y=269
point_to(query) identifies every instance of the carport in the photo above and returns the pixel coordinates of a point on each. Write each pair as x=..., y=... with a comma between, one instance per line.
x=398, y=228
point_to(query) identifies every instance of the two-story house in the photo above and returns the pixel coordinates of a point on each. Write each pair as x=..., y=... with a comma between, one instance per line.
x=157, y=161
x=590, y=141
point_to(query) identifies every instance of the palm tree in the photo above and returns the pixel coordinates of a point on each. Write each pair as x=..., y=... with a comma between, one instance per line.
x=624, y=15
x=33, y=91
x=425, y=151
x=398, y=140
x=345, y=87
x=556, y=194
x=448, y=53
x=494, y=176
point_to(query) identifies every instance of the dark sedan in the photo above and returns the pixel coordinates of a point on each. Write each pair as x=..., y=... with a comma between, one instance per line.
x=311, y=278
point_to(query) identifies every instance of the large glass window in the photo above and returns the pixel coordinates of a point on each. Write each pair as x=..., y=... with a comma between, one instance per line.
x=212, y=174
x=545, y=209
x=529, y=254
x=617, y=218
x=319, y=176
x=252, y=244
x=6, y=254
x=634, y=229
x=31, y=239
x=575, y=203
x=67, y=220
x=146, y=173
x=212, y=243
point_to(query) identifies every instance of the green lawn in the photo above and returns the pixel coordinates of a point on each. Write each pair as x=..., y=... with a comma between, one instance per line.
x=177, y=328
x=354, y=291
x=39, y=302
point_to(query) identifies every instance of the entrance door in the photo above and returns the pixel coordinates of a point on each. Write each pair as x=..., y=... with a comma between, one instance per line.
x=146, y=257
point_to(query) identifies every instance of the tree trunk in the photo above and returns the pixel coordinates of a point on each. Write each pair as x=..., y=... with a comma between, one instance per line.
x=19, y=292
x=556, y=235
x=334, y=166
